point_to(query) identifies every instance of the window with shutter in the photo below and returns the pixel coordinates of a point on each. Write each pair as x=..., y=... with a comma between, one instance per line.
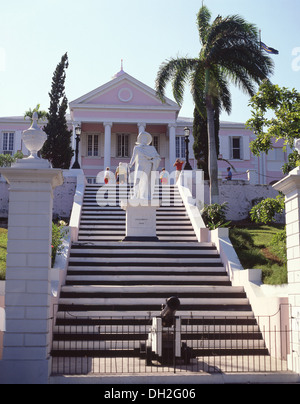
x=8, y=141
x=236, y=148
x=123, y=145
x=93, y=145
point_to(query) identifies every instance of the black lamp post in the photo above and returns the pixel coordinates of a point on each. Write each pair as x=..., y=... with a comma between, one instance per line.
x=78, y=133
x=187, y=141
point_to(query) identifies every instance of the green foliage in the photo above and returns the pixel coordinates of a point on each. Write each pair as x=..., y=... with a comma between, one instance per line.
x=3, y=250
x=214, y=215
x=57, y=148
x=6, y=160
x=42, y=115
x=293, y=162
x=265, y=211
x=230, y=54
x=275, y=115
x=59, y=233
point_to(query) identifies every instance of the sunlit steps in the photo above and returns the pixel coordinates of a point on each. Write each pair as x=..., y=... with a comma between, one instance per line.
x=113, y=289
x=103, y=219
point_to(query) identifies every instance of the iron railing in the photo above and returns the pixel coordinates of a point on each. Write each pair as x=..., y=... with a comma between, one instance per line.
x=110, y=345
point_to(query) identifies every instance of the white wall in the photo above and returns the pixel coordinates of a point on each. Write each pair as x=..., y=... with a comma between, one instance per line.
x=240, y=196
x=63, y=196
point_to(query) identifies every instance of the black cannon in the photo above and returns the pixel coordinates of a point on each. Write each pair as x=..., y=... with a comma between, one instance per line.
x=164, y=339
x=169, y=310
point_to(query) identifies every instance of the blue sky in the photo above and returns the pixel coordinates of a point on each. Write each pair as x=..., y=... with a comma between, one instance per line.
x=97, y=34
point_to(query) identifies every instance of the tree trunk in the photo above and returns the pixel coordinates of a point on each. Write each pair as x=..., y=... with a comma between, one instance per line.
x=212, y=150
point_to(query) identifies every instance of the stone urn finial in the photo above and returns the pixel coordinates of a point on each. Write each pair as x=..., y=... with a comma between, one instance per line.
x=34, y=138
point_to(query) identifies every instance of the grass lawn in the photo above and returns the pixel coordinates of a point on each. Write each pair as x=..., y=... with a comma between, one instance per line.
x=253, y=245
x=3, y=244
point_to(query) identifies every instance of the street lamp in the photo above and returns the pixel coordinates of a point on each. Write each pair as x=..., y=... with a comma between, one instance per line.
x=187, y=141
x=78, y=133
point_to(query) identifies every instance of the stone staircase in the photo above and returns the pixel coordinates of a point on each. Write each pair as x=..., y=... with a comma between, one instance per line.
x=113, y=288
x=107, y=222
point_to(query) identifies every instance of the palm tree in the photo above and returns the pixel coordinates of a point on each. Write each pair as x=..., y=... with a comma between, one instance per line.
x=230, y=53
x=42, y=115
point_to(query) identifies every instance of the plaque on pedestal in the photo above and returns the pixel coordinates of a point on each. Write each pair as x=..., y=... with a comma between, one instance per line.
x=140, y=219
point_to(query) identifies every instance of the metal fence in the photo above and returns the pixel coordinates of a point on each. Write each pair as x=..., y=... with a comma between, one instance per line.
x=111, y=345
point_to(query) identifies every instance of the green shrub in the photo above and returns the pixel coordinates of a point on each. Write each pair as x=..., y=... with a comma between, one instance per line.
x=265, y=211
x=214, y=215
x=59, y=233
x=3, y=249
x=6, y=160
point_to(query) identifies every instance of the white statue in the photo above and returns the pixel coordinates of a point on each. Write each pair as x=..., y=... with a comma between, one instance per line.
x=146, y=159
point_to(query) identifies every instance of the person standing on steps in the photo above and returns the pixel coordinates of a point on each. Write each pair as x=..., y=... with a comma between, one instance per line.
x=178, y=164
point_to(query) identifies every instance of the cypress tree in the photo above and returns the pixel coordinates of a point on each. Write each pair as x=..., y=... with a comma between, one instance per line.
x=57, y=148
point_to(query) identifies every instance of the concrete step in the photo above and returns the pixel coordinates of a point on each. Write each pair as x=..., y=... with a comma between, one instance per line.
x=114, y=289
x=147, y=270
x=124, y=292
x=212, y=314
x=146, y=252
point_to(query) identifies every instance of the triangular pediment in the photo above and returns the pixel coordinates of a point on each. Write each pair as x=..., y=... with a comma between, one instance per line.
x=123, y=91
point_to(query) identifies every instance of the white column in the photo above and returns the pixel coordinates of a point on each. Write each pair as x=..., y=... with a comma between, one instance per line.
x=172, y=146
x=107, y=144
x=290, y=186
x=26, y=352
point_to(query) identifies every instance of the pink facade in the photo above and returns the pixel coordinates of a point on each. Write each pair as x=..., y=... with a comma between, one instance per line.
x=112, y=116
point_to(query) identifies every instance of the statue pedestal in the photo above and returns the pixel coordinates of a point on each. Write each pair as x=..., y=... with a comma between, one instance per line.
x=140, y=219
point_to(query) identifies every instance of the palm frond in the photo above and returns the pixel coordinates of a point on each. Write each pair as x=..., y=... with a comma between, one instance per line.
x=203, y=22
x=164, y=75
x=232, y=28
x=177, y=71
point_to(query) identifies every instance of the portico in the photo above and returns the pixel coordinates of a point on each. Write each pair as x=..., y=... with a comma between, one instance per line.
x=112, y=116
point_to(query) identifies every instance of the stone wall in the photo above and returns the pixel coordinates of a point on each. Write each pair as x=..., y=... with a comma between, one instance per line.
x=240, y=195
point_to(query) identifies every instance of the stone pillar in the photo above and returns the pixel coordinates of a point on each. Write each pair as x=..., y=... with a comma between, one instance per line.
x=26, y=352
x=290, y=186
x=172, y=146
x=107, y=144
x=252, y=177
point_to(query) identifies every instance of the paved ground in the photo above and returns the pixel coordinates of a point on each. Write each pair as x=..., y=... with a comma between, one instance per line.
x=208, y=365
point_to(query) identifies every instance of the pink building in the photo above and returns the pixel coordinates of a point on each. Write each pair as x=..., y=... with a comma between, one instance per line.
x=112, y=115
